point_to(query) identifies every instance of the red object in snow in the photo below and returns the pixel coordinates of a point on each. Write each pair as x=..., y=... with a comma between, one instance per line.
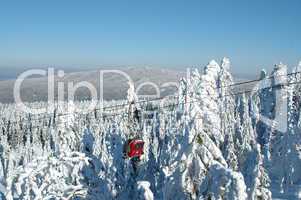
x=135, y=148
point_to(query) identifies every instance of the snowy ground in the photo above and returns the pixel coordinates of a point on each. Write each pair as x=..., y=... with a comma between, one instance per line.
x=210, y=144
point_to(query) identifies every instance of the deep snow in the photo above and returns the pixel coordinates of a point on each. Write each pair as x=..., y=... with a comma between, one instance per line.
x=210, y=144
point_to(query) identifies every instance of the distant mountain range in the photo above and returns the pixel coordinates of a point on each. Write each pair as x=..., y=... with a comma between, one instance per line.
x=115, y=86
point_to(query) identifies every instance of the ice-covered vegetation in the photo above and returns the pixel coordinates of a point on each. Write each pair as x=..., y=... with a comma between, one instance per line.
x=207, y=144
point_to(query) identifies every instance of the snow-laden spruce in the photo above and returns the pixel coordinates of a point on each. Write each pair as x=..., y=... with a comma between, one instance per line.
x=209, y=143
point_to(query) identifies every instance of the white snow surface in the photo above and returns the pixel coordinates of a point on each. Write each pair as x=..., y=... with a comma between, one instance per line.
x=209, y=145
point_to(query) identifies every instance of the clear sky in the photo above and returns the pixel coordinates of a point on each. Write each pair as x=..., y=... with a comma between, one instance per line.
x=252, y=33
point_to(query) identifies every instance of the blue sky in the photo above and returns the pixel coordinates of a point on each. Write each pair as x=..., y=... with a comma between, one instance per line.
x=253, y=34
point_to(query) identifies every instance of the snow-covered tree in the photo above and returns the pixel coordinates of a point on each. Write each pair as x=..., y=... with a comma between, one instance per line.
x=205, y=144
x=49, y=178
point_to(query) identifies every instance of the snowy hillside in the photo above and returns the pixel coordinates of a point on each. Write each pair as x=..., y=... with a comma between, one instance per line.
x=207, y=144
x=115, y=86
